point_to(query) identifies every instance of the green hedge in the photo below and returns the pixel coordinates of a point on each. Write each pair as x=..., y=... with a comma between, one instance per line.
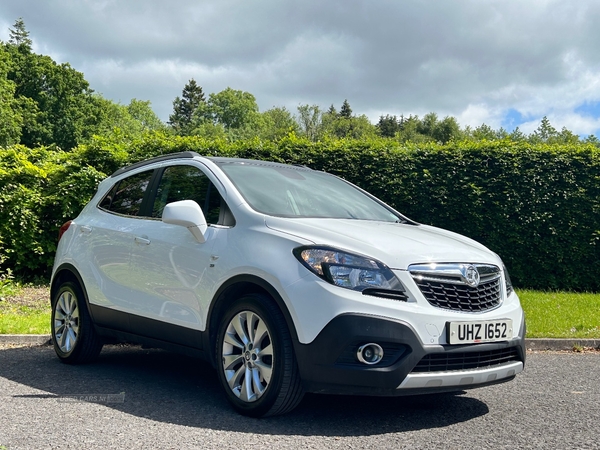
x=536, y=206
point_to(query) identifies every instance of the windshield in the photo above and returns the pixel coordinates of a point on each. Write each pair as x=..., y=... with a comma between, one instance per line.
x=288, y=191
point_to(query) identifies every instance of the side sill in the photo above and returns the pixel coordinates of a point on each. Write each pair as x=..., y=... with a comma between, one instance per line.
x=125, y=327
x=115, y=336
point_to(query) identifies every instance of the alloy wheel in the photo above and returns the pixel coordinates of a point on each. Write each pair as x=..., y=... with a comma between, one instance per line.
x=247, y=356
x=66, y=321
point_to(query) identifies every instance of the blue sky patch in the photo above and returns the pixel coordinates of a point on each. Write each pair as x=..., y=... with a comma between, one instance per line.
x=591, y=109
x=512, y=120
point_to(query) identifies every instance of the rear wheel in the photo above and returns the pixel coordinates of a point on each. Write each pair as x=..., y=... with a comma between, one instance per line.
x=73, y=335
x=257, y=367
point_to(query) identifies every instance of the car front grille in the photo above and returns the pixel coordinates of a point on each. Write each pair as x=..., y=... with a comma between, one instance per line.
x=462, y=298
x=444, y=286
x=445, y=362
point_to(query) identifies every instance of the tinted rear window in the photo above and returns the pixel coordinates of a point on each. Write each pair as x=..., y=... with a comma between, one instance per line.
x=127, y=195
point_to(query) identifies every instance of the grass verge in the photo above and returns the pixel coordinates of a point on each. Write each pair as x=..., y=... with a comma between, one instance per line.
x=561, y=314
x=26, y=310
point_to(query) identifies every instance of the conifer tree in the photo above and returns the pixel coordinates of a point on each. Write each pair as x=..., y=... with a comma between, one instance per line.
x=19, y=36
x=183, y=107
x=388, y=126
x=345, y=110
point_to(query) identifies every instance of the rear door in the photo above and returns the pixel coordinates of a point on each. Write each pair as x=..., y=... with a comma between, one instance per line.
x=107, y=241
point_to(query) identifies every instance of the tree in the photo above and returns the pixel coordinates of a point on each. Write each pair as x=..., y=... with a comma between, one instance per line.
x=232, y=108
x=210, y=130
x=185, y=106
x=592, y=139
x=356, y=127
x=517, y=135
x=232, y=113
x=129, y=121
x=388, y=126
x=43, y=103
x=56, y=102
x=566, y=137
x=410, y=130
x=544, y=132
x=501, y=133
x=279, y=122
x=483, y=132
x=447, y=130
x=12, y=119
x=141, y=111
x=439, y=130
x=309, y=119
x=345, y=125
x=427, y=125
x=345, y=110
x=19, y=36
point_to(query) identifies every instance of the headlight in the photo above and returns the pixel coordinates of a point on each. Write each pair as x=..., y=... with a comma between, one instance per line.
x=350, y=271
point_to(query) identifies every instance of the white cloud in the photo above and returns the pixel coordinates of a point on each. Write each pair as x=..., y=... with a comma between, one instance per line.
x=476, y=114
x=470, y=59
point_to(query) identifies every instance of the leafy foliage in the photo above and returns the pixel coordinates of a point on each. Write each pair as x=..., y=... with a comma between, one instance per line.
x=309, y=120
x=388, y=126
x=12, y=119
x=538, y=206
x=43, y=103
x=61, y=109
x=279, y=122
x=534, y=198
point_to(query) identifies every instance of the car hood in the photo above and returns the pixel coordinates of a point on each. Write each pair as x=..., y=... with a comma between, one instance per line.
x=396, y=245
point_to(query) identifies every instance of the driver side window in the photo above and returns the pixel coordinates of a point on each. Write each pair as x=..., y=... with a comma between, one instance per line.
x=188, y=183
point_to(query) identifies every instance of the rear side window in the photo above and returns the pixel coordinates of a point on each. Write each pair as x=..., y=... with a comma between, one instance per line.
x=187, y=183
x=127, y=195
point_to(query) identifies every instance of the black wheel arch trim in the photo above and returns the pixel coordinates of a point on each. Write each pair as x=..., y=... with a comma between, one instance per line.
x=218, y=306
x=70, y=268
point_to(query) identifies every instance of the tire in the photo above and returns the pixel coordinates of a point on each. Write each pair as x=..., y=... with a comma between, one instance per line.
x=73, y=335
x=255, y=358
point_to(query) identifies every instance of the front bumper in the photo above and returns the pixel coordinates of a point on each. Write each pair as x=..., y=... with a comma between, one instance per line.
x=329, y=364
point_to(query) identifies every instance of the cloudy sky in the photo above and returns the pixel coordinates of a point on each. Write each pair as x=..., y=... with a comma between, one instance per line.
x=500, y=62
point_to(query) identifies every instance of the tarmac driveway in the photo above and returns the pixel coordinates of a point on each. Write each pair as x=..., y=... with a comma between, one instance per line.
x=135, y=398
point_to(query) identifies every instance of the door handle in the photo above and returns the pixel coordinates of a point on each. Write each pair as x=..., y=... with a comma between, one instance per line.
x=85, y=229
x=142, y=240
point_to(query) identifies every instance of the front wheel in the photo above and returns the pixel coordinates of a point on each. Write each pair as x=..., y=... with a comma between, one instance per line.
x=257, y=367
x=73, y=334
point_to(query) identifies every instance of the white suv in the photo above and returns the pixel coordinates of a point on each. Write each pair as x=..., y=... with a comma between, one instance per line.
x=286, y=279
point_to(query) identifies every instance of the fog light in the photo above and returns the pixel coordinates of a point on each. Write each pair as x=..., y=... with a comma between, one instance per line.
x=369, y=353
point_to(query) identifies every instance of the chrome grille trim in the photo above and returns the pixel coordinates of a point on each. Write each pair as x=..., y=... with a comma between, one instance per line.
x=449, y=280
x=445, y=287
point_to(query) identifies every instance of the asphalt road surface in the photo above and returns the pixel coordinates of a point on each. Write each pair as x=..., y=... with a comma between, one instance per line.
x=134, y=398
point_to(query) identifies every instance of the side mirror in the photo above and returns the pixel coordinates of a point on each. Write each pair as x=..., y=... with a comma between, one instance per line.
x=186, y=213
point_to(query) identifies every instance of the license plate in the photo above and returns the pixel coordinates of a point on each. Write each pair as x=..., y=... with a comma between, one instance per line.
x=479, y=331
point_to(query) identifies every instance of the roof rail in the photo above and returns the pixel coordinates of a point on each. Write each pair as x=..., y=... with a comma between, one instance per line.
x=179, y=155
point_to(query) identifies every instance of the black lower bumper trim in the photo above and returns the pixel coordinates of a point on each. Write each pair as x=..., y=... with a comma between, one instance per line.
x=329, y=365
